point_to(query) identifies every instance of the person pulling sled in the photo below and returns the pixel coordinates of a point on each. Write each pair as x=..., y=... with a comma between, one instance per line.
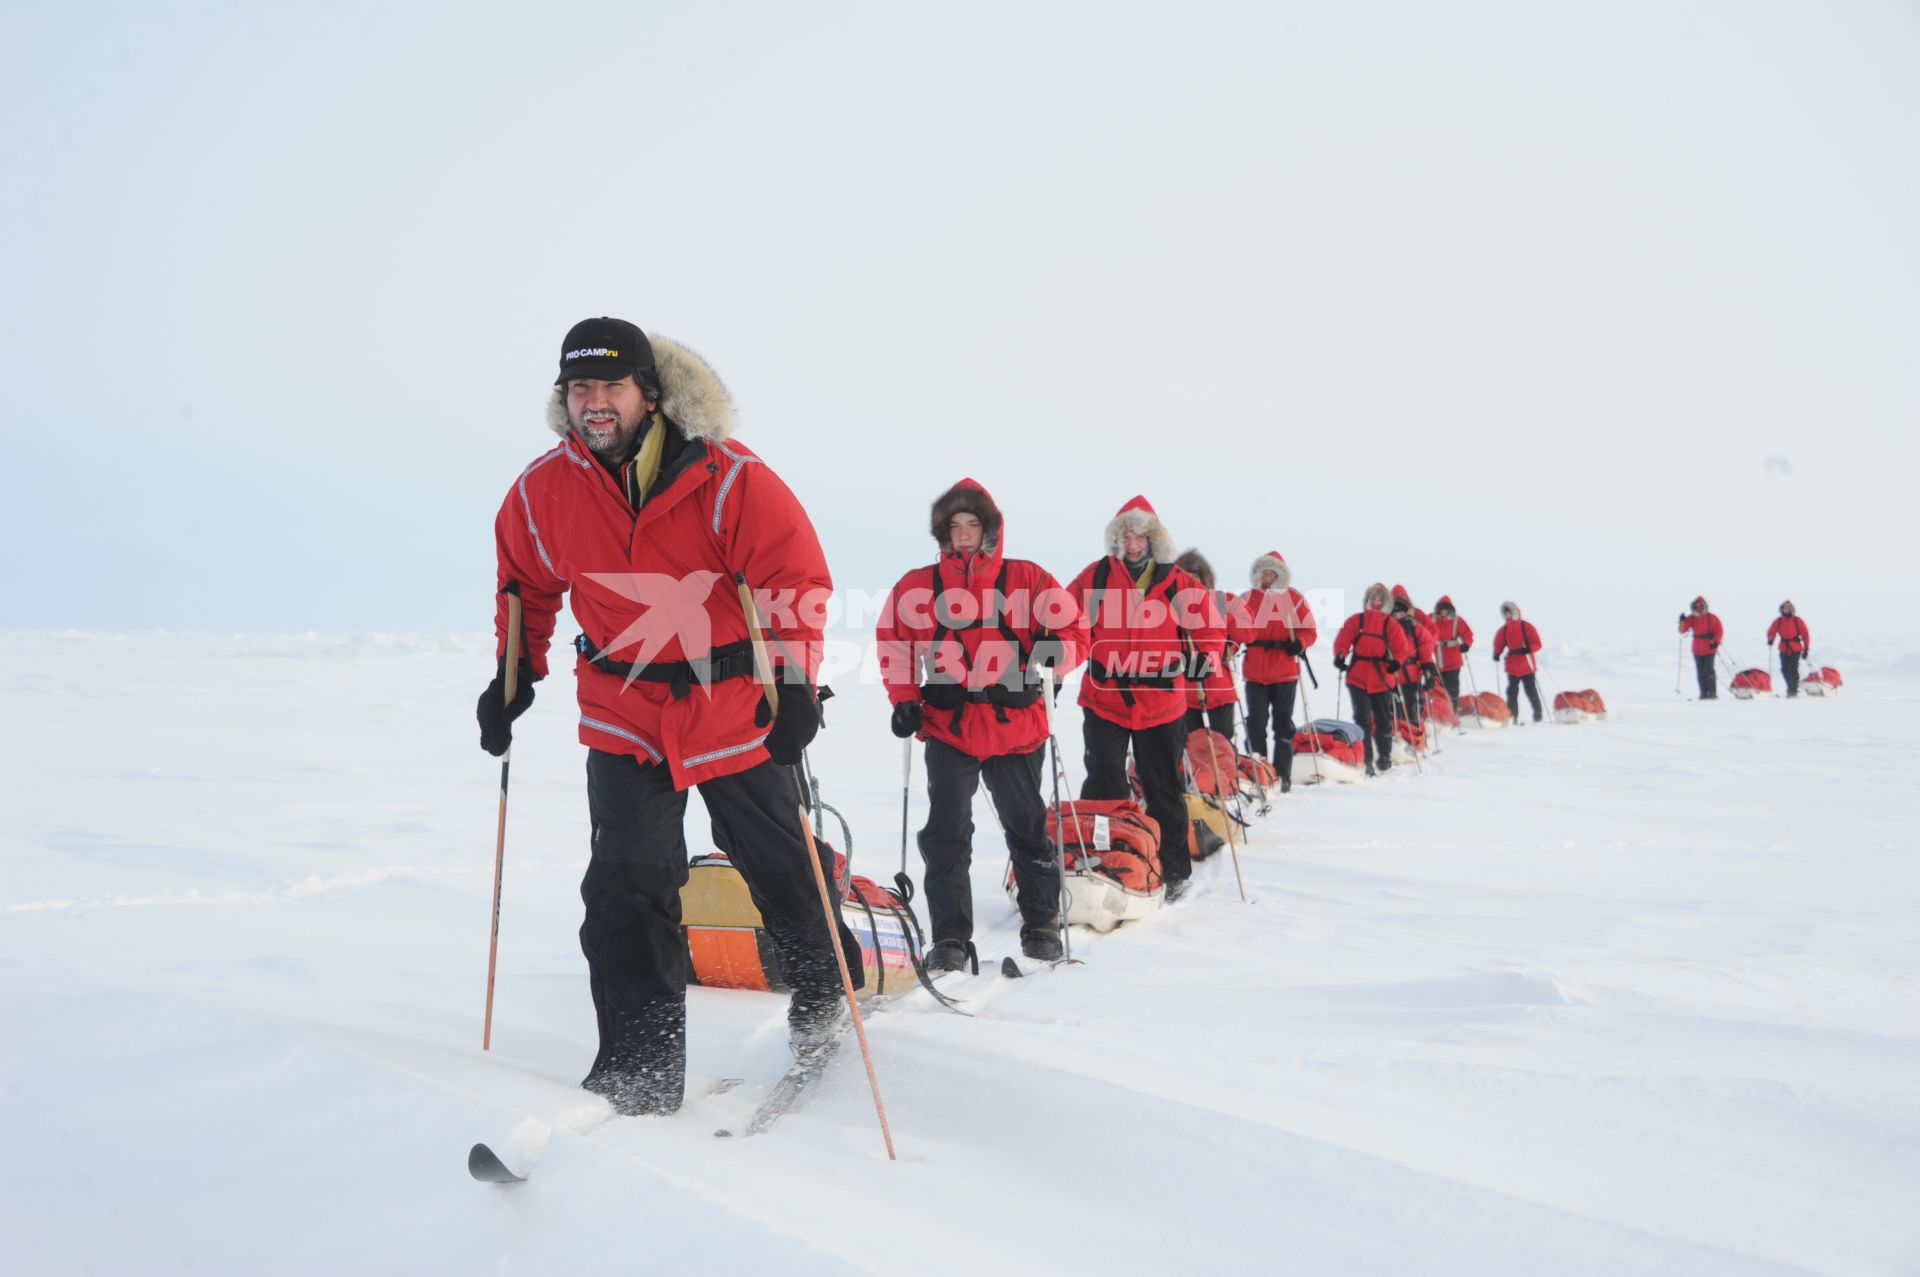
x=1707, y=633
x=1454, y=639
x=1796, y=644
x=968, y=645
x=1274, y=623
x=1211, y=701
x=1152, y=628
x=653, y=519
x=1520, y=641
x=1371, y=650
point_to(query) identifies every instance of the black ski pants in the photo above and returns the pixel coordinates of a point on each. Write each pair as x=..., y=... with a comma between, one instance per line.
x=1703, y=670
x=1790, y=668
x=1217, y=717
x=1156, y=757
x=1373, y=711
x=1413, y=703
x=1275, y=699
x=1450, y=679
x=946, y=843
x=1514, y=683
x=636, y=952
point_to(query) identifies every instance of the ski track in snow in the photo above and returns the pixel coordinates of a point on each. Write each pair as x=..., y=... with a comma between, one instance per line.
x=1631, y=997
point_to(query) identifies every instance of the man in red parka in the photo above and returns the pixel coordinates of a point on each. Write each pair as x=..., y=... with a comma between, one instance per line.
x=1151, y=627
x=968, y=646
x=1796, y=644
x=1707, y=632
x=1210, y=701
x=650, y=516
x=1521, y=642
x=1421, y=672
x=1371, y=650
x=1275, y=624
x=1454, y=639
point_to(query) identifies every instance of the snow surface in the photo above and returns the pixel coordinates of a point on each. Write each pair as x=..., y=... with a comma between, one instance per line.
x=1630, y=997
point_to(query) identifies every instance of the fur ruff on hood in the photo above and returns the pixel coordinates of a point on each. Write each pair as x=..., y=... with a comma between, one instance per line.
x=691, y=395
x=1271, y=562
x=1447, y=604
x=1138, y=516
x=969, y=497
x=1195, y=564
x=1788, y=609
x=1699, y=601
x=1510, y=610
x=1375, y=597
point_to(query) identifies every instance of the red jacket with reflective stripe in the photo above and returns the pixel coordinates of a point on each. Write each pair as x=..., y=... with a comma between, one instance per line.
x=1271, y=616
x=1792, y=633
x=1706, y=630
x=1372, y=637
x=976, y=655
x=659, y=586
x=1143, y=636
x=1519, y=640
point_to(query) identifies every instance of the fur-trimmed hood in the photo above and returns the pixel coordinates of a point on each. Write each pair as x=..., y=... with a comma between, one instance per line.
x=1375, y=597
x=1699, y=601
x=691, y=395
x=1511, y=610
x=1271, y=562
x=1788, y=609
x=1195, y=564
x=969, y=497
x=1138, y=516
x=1447, y=603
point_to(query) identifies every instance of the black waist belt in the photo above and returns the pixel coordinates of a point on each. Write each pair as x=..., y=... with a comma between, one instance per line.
x=1102, y=674
x=730, y=660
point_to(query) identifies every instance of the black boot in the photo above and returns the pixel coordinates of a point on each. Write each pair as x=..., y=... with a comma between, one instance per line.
x=1041, y=942
x=951, y=955
x=642, y=1068
x=814, y=1021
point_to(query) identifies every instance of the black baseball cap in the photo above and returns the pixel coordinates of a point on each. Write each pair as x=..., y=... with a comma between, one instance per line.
x=606, y=349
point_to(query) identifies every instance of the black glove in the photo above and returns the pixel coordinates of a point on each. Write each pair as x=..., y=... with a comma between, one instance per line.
x=797, y=724
x=1465, y=648
x=1428, y=677
x=1340, y=663
x=1293, y=647
x=944, y=695
x=907, y=717
x=1683, y=618
x=1714, y=646
x=496, y=715
x=1393, y=666
x=1202, y=667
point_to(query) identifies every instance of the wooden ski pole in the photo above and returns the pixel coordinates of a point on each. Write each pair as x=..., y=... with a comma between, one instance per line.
x=763, y=669
x=511, y=674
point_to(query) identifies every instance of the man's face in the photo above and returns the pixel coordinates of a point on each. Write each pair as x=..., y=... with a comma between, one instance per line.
x=964, y=532
x=1268, y=579
x=1133, y=545
x=607, y=414
x=1698, y=607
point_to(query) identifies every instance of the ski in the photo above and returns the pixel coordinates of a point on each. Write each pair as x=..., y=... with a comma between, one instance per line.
x=486, y=1166
x=792, y=1090
x=1013, y=970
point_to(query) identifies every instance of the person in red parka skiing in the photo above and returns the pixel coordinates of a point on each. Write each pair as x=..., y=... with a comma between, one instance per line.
x=1422, y=672
x=1210, y=702
x=1274, y=623
x=651, y=517
x=1707, y=633
x=1520, y=642
x=1454, y=639
x=1371, y=650
x=1152, y=626
x=968, y=645
x=1796, y=644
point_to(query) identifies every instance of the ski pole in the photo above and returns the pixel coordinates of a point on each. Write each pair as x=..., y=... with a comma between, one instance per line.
x=1393, y=698
x=1048, y=691
x=1308, y=711
x=511, y=675
x=901, y=880
x=1219, y=784
x=1240, y=734
x=1679, y=661
x=763, y=669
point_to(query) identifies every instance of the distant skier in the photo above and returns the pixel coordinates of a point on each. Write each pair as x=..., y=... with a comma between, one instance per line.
x=1796, y=644
x=1707, y=632
x=1210, y=701
x=648, y=513
x=1152, y=624
x=1454, y=638
x=1521, y=643
x=1275, y=624
x=1371, y=649
x=1421, y=673
x=968, y=646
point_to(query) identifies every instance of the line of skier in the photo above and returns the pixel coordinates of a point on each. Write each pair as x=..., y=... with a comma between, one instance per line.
x=1788, y=631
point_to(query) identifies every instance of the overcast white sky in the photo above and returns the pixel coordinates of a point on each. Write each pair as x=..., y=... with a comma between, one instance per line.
x=1593, y=306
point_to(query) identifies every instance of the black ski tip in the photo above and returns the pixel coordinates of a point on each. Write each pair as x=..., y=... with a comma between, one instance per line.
x=1010, y=968
x=484, y=1165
